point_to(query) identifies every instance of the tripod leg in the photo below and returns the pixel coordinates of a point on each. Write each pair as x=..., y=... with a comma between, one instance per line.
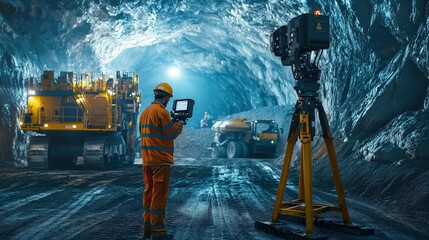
x=305, y=137
x=283, y=178
x=334, y=163
x=292, y=137
x=301, y=178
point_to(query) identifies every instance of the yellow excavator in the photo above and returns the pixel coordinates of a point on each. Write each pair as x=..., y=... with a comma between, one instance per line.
x=239, y=138
x=82, y=120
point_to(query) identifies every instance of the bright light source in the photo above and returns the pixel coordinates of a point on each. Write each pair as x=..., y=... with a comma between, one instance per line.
x=31, y=92
x=74, y=126
x=46, y=125
x=173, y=72
x=317, y=12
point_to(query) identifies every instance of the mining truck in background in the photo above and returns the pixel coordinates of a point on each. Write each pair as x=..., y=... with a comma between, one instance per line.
x=81, y=120
x=238, y=138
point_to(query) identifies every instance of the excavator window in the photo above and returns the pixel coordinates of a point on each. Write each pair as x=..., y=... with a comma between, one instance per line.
x=266, y=127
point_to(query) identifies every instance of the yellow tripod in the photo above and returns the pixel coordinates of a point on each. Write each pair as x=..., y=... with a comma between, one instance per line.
x=301, y=125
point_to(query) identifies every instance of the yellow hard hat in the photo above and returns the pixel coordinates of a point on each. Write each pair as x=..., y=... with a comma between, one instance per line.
x=165, y=87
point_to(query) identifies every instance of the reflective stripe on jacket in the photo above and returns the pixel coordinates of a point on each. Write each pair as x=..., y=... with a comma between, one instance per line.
x=157, y=133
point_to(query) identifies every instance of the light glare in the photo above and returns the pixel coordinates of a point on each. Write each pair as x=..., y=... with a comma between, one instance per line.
x=173, y=72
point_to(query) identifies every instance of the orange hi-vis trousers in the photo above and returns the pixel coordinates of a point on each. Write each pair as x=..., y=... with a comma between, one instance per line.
x=157, y=181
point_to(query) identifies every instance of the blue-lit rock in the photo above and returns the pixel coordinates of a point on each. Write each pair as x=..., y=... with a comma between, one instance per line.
x=374, y=80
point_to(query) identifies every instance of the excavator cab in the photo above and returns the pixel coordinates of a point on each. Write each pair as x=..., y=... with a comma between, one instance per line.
x=264, y=137
x=266, y=127
x=264, y=130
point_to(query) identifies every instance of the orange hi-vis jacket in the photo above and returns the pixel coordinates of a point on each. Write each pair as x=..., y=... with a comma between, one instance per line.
x=157, y=133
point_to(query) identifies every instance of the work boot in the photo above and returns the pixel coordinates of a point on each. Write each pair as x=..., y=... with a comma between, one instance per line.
x=162, y=236
x=142, y=236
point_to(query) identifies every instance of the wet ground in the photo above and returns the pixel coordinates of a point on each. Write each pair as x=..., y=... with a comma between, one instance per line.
x=209, y=199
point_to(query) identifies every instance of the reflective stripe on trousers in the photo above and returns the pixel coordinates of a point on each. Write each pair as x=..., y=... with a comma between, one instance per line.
x=156, y=179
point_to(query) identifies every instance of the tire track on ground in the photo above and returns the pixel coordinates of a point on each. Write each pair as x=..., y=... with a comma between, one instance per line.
x=195, y=212
x=221, y=202
x=89, y=223
x=4, y=209
x=224, y=216
x=39, y=231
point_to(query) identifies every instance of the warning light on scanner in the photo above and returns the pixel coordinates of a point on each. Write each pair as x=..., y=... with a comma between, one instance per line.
x=317, y=12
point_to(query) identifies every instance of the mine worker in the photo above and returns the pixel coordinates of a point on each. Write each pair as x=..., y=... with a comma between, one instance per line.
x=157, y=132
x=205, y=122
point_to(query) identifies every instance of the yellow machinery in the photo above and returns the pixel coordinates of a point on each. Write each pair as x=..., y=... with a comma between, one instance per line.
x=81, y=120
x=237, y=138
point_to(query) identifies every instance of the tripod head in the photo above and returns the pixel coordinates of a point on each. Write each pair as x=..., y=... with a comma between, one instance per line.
x=307, y=74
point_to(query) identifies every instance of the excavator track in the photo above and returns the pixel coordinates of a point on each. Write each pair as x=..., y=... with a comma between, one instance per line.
x=38, y=152
x=103, y=152
x=99, y=152
x=93, y=153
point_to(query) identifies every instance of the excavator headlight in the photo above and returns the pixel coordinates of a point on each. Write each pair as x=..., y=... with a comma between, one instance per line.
x=31, y=92
x=74, y=126
x=46, y=125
